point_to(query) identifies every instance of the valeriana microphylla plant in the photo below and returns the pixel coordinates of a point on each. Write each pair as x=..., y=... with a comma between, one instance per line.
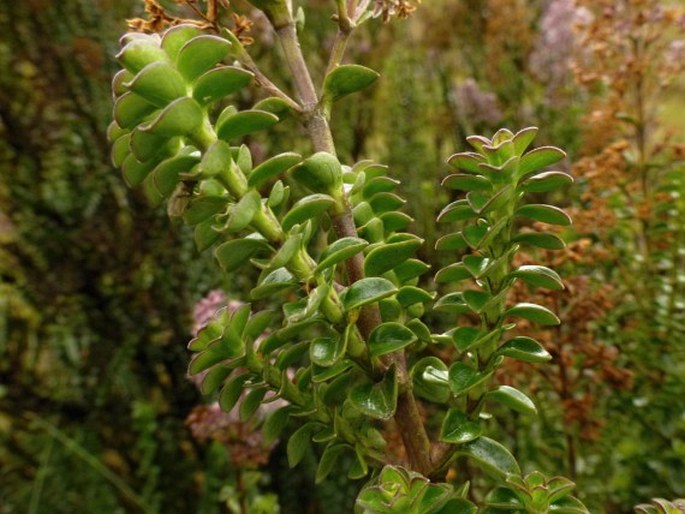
x=341, y=338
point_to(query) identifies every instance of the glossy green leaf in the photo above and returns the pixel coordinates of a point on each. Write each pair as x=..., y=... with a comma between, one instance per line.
x=544, y=240
x=451, y=242
x=231, y=391
x=326, y=373
x=130, y=109
x=524, y=349
x=219, y=83
x=523, y=138
x=134, y=171
x=272, y=283
x=474, y=234
x=545, y=213
x=205, y=234
x=476, y=300
x=299, y=443
x=274, y=105
x=395, y=220
x=275, y=424
x=367, y=290
x=233, y=254
x=457, y=211
x=512, y=398
x=257, y=324
x=120, y=86
x=140, y=52
x=203, y=208
x=377, y=400
x=329, y=459
x=242, y=213
x=546, y=181
x=533, y=312
x=121, y=150
x=494, y=458
x=386, y=202
x=175, y=37
x=340, y=250
x=467, y=161
x=468, y=338
x=214, y=378
x=200, y=54
x=347, y=79
x=538, y=276
x=430, y=379
x=464, y=182
x=385, y=257
x=167, y=174
x=539, y=158
x=453, y=273
x=457, y=428
x=568, y=505
x=463, y=378
x=251, y=403
x=272, y=168
x=243, y=123
x=452, y=303
x=308, y=207
x=320, y=173
x=287, y=251
x=182, y=117
x=379, y=185
x=159, y=83
x=410, y=295
x=388, y=338
x=144, y=146
x=410, y=269
x=326, y=351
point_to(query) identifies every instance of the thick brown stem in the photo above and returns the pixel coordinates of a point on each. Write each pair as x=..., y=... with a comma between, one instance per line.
x=407, y=416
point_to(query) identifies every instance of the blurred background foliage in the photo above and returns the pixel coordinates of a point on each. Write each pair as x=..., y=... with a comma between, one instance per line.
x=98, y=288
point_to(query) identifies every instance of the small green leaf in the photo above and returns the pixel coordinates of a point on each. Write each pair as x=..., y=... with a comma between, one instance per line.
x=200, y=54
x=395, y=220
x=366, y=291
x=457, y=428
x=205, y=234
x=378, y=400
x=326, y=351
x=243, y=123
x=533, y=312
x=242, y=213
x=287, y=251
x=453, y=273
x=385, y=257
x=167, y=174
x=120, y=83
x=457, y=211
x=523, y=138
x=177, y=36
x=272, y=167
x=233, y=254
x=386, y=202
x=494, y=458
x=159, y=83
x=546, y=181
x=140, y=52
x=329, y=459
x=430, y=378
x=379, y=185
x=468, y=338
x=467, y=161
x=524, y=349
x=571, y=505
x=257, y=324
x=410, y=269
x=134, y=171
x=452, y=303
x=146, y=146
x=274, y=105
x=410, y=295
x=231, y=391
x=182, y=117
x=544, y=240
x=324, y=374
x=299, y=442
x=217, y=160
x=121, y=150
x=463, y=378
x=347, y=79
x=476, y=300
x=464, y=182
x=320, y=173
x=219, y=83
x=251, y=403
x=272, y=283
x=130, y=109
x=451, y=242
x=340, y=250
x=388, y=338
x=274, y=424
x=474, y=234
x=203, y=208
x=512, y=398
x=539, y=158
x=539, y=276
x=545, y=213
x=308, y=207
